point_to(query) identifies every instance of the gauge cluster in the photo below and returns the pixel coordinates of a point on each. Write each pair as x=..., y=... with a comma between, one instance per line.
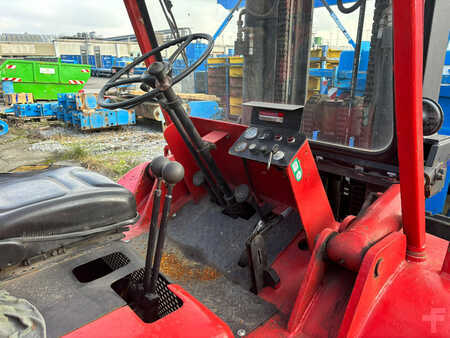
x=273, y=136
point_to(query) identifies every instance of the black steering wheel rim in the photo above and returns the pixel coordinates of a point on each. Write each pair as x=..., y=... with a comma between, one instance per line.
x=114, y=81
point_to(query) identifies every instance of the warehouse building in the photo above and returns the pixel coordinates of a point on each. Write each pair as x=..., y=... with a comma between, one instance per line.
x=83, y=48
x=95, y=52
x=34, y=46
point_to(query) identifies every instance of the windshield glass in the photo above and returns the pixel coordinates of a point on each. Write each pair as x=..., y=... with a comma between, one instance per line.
x=283, y=51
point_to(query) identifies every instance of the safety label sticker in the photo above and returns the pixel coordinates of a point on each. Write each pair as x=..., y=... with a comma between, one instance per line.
x=297, y=170
x=47, y=70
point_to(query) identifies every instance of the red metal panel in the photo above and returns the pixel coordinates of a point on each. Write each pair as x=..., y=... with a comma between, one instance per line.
x=311, y=283
x=193, y=319
x=273, y=185
x=380, y=263
x=312, y=201
x=291, y=267
x=416, y=301
x=408, y=59
x=214, y=136
x=380, y=219
x=139, y=28
x=143, y=186
x=446, y=265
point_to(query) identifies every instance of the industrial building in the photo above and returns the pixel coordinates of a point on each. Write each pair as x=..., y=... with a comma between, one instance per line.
x=85, y=48
x=27, y=46
x=82, y=48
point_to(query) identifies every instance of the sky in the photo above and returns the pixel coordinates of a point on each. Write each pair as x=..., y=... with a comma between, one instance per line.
x=109, y=18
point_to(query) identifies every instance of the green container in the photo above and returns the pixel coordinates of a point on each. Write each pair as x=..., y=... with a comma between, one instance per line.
x=44, y=79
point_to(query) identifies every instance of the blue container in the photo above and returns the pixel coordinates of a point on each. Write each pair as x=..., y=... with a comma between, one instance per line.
x=91, y=60
x=50, y=109
x=90, y=101
x=344, y=72
x=193, y=53
x=68, y=116
x=8, y=87
x=107, y=61
x=69, y=59
x=125, y=117
x=444, y=96
x=206, y=109
x=60, y=113
x=436, y=204
x=28, y=110
x=67, y=101
x=103, y=118
x=444, y=101
x=77, y=118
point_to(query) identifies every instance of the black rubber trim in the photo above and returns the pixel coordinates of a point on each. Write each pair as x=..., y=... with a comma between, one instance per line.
x=74, y=234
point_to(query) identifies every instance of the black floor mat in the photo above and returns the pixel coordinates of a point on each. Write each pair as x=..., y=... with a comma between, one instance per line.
x=205, y=234
x=239, y=308
x=201, y=236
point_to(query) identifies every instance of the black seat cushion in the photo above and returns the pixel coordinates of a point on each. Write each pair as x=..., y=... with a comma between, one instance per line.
x=60, y=201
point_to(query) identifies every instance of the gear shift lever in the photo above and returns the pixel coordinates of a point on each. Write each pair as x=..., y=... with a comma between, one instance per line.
x=156, y=168
x=171, y=173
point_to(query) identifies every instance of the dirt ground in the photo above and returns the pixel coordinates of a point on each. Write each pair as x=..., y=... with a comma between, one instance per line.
x=110, y=152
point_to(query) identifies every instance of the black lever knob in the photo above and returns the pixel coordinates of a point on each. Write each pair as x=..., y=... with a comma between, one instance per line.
x=173, y=172
x=159, y=70
x=147, y=81
x=158, y=165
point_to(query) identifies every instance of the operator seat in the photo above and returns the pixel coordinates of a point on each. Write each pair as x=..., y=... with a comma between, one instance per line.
x=44, y=210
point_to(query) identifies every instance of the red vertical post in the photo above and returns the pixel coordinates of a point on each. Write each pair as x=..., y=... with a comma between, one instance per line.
x=408, y=69
x=139, y=28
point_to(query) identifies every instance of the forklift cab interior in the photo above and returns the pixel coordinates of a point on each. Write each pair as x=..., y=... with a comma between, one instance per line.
x=252, y=234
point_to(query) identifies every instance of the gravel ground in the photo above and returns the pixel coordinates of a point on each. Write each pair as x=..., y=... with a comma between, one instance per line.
x=144, y=142
x=111, y=152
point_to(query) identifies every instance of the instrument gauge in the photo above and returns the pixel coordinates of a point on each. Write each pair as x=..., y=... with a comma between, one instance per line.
x=240, y=147
x=251, y=133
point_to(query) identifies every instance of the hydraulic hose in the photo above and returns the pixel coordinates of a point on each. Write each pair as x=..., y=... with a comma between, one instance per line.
x=258, y=15
x=350, y=9
x=355, y=70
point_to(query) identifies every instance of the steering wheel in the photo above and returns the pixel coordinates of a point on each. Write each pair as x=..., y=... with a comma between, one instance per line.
x=148, y=78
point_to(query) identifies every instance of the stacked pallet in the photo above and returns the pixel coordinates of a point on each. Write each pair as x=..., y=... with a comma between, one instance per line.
x=18, y=98
x=82, y=111
x=32, y=111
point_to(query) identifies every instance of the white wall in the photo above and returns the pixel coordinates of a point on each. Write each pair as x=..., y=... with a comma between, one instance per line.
x=114, y=48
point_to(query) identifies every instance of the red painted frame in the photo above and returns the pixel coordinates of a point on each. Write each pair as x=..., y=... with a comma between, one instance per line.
x=139, y=28
x=408, y=60
x=408, y=70
x=362, y=277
